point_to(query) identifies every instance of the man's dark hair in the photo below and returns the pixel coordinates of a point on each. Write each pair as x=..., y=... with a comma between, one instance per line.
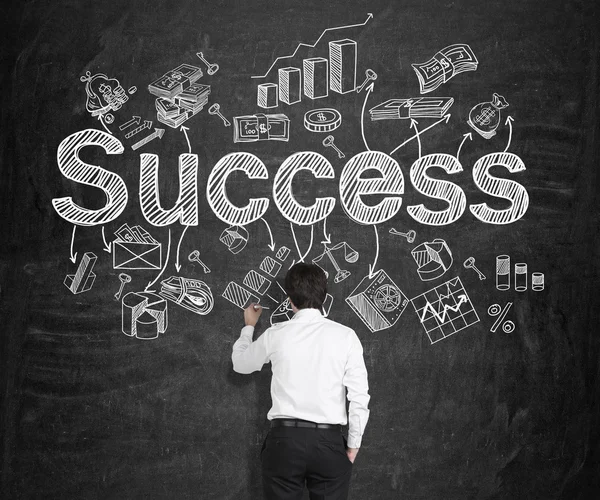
x=306, y=285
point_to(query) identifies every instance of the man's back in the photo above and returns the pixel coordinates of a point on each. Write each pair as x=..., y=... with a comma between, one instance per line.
x=308, y=356
x=314, y=361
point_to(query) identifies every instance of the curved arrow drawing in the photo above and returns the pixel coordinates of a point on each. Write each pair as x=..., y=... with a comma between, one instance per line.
x=177, y=265
x=272, y=245
x=446, y=118
x=147, y=289
x=325, y=235
x=184, y=130
x=369, y=16
x=296, y=241
x=107, y=247
x=413, y=124
x=470, y=136
x=73, y=257
x=362, y=115
x=509, y=120
x=372, y=267
x=104, y=125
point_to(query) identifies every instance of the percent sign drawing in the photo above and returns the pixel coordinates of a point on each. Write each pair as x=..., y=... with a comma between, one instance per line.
x=496, y=311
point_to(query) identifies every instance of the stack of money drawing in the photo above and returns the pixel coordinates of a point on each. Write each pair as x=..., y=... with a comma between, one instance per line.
x=179, y=97
x=446, y=63
x=261, y=127
x=416, y=107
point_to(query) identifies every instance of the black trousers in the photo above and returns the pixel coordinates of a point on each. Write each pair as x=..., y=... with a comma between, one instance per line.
x=294, y=456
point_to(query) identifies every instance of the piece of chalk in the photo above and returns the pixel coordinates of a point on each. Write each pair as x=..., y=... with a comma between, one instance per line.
x=257, y=307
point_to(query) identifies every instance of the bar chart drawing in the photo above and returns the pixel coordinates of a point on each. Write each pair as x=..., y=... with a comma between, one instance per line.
x=289, y=85
x=316, y=77
x=267, y=95
x=342, y=66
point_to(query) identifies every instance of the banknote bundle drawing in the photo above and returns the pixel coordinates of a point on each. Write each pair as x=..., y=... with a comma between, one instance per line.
x=179, y=97
x=446, y=63
x=414, y=107
x=484, y=117
x=193, y=295
x=261, y=127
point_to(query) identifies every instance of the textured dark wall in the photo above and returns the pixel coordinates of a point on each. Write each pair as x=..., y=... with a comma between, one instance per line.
x=88, y=412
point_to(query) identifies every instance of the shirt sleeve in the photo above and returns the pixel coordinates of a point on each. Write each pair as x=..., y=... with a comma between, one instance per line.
x=248, y=356
x=355, y=380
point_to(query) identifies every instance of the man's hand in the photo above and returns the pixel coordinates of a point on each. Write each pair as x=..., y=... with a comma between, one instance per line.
x=352, y=452
x=252, y=313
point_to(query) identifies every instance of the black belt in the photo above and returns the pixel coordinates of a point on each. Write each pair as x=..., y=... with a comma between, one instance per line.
x=293, y=422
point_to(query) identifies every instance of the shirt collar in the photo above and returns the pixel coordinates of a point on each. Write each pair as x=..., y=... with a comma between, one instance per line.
x=307, y=314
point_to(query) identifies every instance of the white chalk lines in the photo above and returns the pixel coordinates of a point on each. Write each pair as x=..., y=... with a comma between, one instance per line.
x=363, y=173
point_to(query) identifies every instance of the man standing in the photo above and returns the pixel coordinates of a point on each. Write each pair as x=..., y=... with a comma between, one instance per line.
x=315, y=362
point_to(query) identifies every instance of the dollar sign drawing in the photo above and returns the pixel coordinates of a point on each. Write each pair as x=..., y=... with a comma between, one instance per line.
x=485, y=116
x=321, y=117
x=263, y=128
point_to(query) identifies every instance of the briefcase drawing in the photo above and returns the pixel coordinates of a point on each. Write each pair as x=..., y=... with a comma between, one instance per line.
x=134, y=255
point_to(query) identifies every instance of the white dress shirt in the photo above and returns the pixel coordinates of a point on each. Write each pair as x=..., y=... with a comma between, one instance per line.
x=314, y=360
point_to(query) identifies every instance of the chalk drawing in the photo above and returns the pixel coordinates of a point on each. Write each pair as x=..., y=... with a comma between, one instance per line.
x=377, y=301
x=445, y=310
x=444, y=65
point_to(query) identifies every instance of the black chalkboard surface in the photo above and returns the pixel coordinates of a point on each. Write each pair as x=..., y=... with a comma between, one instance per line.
x=164, y=164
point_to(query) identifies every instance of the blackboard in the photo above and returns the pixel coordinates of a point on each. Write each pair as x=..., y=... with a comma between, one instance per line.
x=481, y=388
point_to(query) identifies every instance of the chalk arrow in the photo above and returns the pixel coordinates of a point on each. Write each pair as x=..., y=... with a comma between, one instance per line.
x=177, y=265
x=103, y=124
x=73, y=255
x=465, y=136
x=296, y=242
x=362, y=120
x=509, y=120
x=158, y=132
x=312, y=231
x=326, y=235
x=134, y=121
x=106, y=244
x=146, y=125
x=413, y=124
x=272, y=245
x=184, y=130
x=446, y=118
x=150, y=283
x=462, y=299
x=369, y=17
x=373, y=267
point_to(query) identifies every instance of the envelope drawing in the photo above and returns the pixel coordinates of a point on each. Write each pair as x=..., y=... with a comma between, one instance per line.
x=133, y=255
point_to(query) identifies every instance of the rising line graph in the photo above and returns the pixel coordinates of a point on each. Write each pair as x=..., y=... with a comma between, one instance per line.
x=441, y=317
x=445, y=310
x=369, y=16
